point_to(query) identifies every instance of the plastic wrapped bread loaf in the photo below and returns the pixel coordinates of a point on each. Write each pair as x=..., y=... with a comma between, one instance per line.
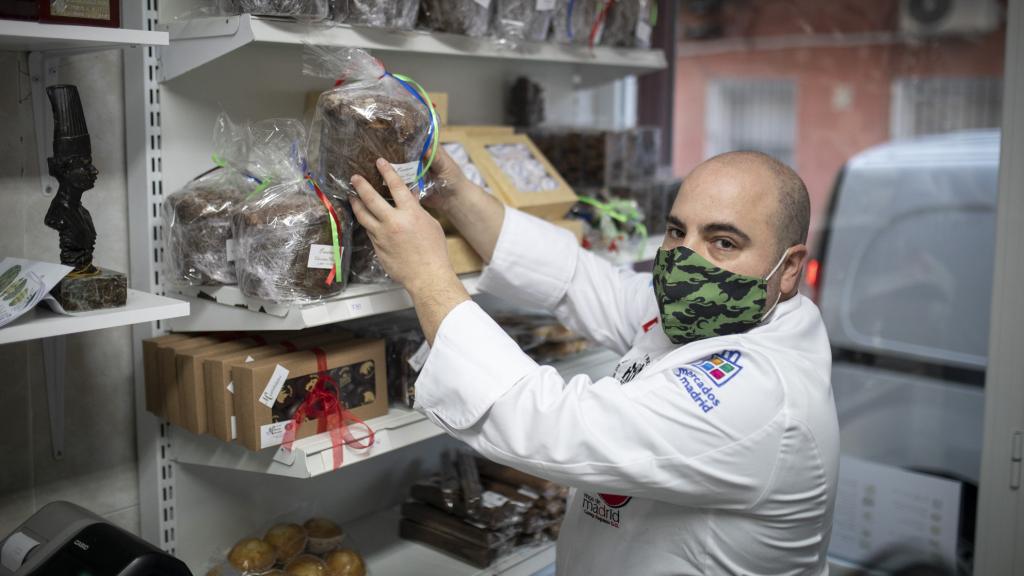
x=305, y=10
x=388, y=14
x=516, y=21
x=467, y=17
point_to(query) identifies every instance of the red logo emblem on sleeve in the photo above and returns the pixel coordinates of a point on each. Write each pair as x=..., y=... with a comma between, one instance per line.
x=650, y=324
x=614, y=500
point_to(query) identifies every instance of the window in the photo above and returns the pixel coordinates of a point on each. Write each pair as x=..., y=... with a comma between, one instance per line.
x=751, y=114
x=936, y=105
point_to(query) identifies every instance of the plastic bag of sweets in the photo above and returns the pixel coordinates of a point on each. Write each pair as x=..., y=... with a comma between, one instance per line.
x=516, y=21
x=466, y=17
x=576, y=21
x=630, y=24
x=369, y=114
x=304, y=10
x=291, y=238
x=389, y=14
x=198, y=218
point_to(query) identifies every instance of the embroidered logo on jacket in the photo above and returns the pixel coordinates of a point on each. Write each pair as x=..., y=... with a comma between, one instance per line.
x=719, y=369
x=634, y=368
x=605, y=508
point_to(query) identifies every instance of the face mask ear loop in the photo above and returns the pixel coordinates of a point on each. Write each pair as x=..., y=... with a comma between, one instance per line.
x=778, y=299
x=776, y=269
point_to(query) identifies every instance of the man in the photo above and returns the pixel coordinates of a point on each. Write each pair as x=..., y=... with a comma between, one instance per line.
x=713, y=449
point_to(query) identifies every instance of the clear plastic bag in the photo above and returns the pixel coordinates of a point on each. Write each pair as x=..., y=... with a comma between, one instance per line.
x=389, y=14
x=574, y=20
x=516, y=21
x=304, y=10
x=371, y=114
x=629, y=24
x=284, y=235
x=467, y=17
x=198, y=218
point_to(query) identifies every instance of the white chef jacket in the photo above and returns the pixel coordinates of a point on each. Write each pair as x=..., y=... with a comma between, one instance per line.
x=715, y=457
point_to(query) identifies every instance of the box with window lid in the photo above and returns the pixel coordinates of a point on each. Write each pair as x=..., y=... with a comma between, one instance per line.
x=304, y=393
x=219, y=387
x=524, y=178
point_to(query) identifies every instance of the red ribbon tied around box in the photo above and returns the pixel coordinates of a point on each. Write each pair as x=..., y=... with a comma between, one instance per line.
x=330, y=414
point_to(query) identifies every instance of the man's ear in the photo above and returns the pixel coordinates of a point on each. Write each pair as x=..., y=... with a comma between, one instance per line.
x=791, y=270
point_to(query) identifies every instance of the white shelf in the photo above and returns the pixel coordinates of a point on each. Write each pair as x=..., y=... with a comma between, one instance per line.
x=386, y=553
x=225, y=308
x=141, y=307
x=401, y=427
x=16, y=35
x=197, y=42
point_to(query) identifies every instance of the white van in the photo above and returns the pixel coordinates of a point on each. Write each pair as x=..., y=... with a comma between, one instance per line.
x=903, y=277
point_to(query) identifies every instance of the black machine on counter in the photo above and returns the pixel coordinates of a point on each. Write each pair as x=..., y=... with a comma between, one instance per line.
x=62, y=539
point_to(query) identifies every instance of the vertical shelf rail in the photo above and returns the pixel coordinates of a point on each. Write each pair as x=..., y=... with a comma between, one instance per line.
x=145, y=195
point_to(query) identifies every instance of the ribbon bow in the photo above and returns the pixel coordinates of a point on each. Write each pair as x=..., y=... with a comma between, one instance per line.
x=331, y=416
x=335, y=226
x=621, y=211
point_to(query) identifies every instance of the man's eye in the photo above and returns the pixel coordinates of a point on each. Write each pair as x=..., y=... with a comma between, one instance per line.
x=676, y=233
x=725, y=244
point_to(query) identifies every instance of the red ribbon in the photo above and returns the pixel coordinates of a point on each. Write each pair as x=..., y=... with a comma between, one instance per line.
x=599, y=21
x=330, y=414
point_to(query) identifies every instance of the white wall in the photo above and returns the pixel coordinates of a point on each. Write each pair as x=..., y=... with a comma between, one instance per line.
x=98, y=470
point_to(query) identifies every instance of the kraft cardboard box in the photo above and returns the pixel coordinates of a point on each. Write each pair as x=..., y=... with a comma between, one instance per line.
x=168, y=369
x=219, y=386
x=154, y=398
x=269, y=391
x=189, y=368
x=464, y=259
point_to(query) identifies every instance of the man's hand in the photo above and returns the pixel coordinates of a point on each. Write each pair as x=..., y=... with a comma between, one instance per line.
x=449, y=181
x=411, y=247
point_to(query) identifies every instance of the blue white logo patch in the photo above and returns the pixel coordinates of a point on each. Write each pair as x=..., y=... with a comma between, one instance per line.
x=720, y=368
x=702, y=379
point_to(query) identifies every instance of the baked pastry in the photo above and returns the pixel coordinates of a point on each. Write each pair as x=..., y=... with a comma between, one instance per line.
x=323, y=535
x=275, y=233
x=198, y=219
x=252, y=555
x=467, y=17
x=288, y=540
x=345, y=563
x=306, y=565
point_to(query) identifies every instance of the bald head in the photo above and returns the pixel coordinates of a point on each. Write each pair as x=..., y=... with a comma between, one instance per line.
x=792, y=204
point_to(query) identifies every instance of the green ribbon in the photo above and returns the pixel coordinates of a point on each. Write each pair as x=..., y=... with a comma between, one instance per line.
x=433, y=122
x=623, y=211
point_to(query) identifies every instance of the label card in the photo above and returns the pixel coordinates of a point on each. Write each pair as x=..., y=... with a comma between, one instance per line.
x=272, y=434
x=273, y=387
x=229, y=249
x=418, y=359
x=545, y=5
x=409, y=171
x=643, y=32
x=360, y=307
x=321, y=256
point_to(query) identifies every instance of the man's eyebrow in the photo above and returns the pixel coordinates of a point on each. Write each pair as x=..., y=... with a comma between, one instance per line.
x=675, y=221
x=725, y=227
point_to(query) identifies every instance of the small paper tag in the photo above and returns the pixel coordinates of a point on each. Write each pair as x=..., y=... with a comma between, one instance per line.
x=16, y=548
x=234, y=427
x=485, y=3
x=249, y=359
x=272, y=434
x=229, y=249
x=285, y=455
x=418, y=359
x=643, y=32
x=491, y=499
x=408, y=171
x=545, y=5
x=321, y=256
x=231, y=386
x=273, y=387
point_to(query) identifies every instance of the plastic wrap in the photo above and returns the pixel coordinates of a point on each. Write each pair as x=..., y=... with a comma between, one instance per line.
x=371, y=114
x=467, y=17
x=520, y=165
x=198, y=218
x=366, y=266
x=574, y=20
x=389, y=14
x=406, y=355
x=283, y=235
x=629, y=24
x=305, y=10
x=516, y=21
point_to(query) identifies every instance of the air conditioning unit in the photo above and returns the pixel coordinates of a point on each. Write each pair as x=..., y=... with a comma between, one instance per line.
x=949, y=17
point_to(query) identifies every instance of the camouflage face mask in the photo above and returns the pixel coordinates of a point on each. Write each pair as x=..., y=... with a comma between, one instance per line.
x=699, y=300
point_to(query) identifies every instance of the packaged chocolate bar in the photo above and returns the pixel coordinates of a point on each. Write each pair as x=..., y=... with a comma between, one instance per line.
x=495, y=511
x=269, y=393
x=543, y=488
x=467, y=530
x=478, y=556
x=469, y=479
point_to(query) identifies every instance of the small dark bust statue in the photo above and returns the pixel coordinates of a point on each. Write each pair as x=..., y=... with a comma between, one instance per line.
x=86, y=287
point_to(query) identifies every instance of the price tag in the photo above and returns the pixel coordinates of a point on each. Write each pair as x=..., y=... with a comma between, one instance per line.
x=418, y=359
x=230, y=249
x=545, y=5
x=409, y=171
x=360, y=307
x=273, y=387
x=643, y=32
x=321, y=256
x=272, y=434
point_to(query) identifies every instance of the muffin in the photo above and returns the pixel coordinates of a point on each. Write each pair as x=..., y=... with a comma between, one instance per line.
x=306, y=565
x=252, y=555
x=345, y=563
x=323, y=535
x=288, y=540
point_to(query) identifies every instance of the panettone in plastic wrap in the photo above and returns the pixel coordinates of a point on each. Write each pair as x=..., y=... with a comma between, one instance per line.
x=466, y=17
x=386, y=14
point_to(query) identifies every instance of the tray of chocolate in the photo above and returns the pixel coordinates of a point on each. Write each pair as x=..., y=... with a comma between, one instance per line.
x=353, y=384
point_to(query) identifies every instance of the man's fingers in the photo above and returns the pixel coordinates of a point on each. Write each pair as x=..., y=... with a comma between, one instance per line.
x=372, y=201
x=367, y=219
x=399, y=191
